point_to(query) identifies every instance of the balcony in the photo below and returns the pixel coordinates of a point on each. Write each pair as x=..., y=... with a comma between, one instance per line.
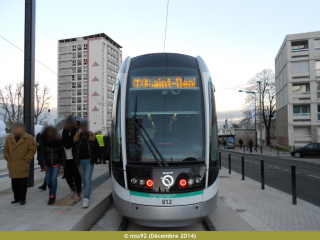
x=65, y=57
x=65, y=49
x=64, y=94
x=66, y=65
x=64, y=72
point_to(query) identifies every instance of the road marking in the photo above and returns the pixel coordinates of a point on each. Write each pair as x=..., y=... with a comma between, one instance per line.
x=286, y=170
x=313, y=176
x=269, y=166
x=276, y=167
x=256, y=163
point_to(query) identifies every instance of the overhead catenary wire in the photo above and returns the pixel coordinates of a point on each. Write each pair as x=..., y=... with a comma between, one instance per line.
x=48, y=68
x=165, y=30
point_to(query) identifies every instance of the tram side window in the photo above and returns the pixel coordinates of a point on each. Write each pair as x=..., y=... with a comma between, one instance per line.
x=116, y=132
x=213, y=126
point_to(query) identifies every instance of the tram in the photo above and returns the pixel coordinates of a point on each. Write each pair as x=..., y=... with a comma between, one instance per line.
x=164, y=140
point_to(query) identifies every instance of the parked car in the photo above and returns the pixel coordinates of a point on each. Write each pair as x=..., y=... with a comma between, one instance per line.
x=312, y=149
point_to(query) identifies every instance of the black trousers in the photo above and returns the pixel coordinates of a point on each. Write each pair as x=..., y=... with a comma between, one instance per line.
x=72, y=175
x=19, y=188
x=101, y=154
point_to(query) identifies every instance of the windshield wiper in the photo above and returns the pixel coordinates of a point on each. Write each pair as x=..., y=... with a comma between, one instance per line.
x=152, y=152
x=157, y=150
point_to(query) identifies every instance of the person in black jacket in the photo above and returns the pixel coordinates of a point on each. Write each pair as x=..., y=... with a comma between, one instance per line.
x=250, y=145
x=71, y=171
x=52, y=158
x=38, y=143
x=85, y=155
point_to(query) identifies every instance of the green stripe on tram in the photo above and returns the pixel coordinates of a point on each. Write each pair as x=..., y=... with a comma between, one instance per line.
x=169, y=195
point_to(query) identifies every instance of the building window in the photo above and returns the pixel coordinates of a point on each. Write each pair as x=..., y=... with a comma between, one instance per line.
x=79, y=92
x=85, y=46
x=85, y=84
x=79, y=55
x=73, y=70
x=300, y=88
x=73, y=92
x=85, y=68
x=79, y=100
x=301, y=110
x=85, y=54
x=79, y=77
x=84, y=107
x=79, y=47
x=79, y=114
x=84, y=91
x=85, y=61
x=73, y=62
x=73, y=77
x=317, y=69
x=73, y=85
x=85, y=114
x=74, y=48
x=74, y=55
x=78, y=84
x=73, y=100
x=79, y=69
x=84, y=99
x=318, y=90
x=300, y=67
x=299, y=46
x=85, y=76
x=73, y=107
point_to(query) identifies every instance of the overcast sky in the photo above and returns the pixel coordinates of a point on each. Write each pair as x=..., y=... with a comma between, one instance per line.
x=236, y=38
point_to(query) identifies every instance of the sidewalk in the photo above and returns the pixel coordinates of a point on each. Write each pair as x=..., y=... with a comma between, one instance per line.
x=266, y=210
x=36, y=215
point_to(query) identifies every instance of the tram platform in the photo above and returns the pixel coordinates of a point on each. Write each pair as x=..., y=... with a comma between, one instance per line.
x=65, y=215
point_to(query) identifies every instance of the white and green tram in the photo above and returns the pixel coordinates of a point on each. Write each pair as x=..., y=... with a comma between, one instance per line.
x=164, y=140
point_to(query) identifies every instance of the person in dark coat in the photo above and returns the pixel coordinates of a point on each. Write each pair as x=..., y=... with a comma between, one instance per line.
x=250, y=145
x=38, y=143
x=53, y=158
x=224, y=144
x=85, y=154
x=240, y=143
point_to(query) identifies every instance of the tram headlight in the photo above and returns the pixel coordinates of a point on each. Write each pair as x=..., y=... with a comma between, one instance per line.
x=141, y=182
x=198, y=180
x=190, y=181
x=134, y=180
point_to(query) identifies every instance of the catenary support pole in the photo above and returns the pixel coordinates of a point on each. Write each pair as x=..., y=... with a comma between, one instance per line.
x=29, y=63
x=242, y=163
x=229, y=159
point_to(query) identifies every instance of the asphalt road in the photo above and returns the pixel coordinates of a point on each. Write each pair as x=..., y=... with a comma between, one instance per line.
x=278, y=173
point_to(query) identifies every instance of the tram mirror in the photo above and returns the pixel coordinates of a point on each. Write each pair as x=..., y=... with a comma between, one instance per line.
x=143, y=82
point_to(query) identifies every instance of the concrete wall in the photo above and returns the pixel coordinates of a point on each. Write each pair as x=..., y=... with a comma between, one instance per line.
x=245, y=135
x=282, y=126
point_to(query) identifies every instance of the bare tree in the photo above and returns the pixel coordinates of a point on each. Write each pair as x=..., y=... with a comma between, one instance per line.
x=42, y=101
x=247, y=121
x=12, y=103
x=268, y=97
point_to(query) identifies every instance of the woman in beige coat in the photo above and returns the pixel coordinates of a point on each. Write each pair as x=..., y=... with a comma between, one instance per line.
x=19, y=150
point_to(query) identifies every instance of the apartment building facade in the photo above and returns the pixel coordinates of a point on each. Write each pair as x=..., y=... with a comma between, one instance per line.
x=297, y=73
x=88, y=68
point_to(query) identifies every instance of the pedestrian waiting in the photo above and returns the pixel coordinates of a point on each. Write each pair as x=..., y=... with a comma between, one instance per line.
x=53, y=158
x=19, y=150
x=240, y=143
x=85, y=153
x=250, y=145
x=100, y=139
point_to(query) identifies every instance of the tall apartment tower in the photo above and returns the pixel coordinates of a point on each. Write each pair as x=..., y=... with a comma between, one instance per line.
x=297, y=67
x=88, y=68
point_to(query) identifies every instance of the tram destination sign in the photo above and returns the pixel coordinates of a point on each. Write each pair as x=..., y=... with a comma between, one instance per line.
x=164, y=82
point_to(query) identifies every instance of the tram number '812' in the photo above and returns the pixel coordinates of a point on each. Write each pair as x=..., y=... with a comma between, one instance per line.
x=166, y=201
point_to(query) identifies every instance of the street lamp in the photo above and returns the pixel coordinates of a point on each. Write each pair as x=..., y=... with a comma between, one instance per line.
x=255, y=114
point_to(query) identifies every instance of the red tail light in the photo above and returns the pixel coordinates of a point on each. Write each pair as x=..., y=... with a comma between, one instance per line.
x=183, y=182
x=149, y=183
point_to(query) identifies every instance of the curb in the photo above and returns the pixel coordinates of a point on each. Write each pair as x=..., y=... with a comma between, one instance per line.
x=257, y=154
x=95, y=213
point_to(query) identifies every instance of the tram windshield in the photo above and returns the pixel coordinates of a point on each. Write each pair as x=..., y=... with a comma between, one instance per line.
x=168, y=102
